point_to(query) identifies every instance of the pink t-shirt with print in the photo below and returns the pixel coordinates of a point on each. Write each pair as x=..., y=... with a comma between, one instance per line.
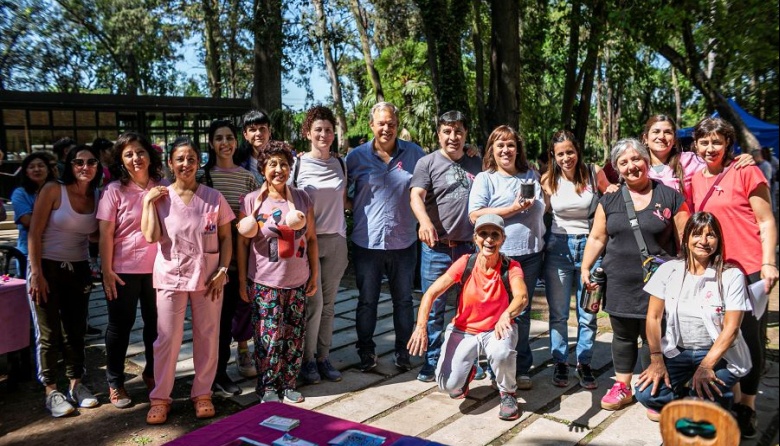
x=277, y=255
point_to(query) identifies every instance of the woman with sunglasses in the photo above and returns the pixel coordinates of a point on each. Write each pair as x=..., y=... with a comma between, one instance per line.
x=128, y=259
x=59, y=281
x=492, y=295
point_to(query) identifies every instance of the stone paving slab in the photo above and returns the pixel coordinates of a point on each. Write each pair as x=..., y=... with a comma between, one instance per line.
x=547, y=432
x=630, y=426
x=427, y=412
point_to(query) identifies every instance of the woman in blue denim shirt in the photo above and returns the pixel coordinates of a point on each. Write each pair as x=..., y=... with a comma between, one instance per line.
x=568, y=194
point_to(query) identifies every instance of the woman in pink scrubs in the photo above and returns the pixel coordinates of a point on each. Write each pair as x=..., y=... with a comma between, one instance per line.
x=277, y=270
x=191, y=224
x=128, y=259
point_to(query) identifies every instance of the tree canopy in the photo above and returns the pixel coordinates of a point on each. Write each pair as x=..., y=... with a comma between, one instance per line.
x=597, y=67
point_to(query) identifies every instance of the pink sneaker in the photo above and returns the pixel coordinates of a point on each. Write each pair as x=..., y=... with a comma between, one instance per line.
x=617, y=397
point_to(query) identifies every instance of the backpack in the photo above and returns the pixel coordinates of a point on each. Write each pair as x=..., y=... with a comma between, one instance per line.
x=504, y=272
x=297, y=169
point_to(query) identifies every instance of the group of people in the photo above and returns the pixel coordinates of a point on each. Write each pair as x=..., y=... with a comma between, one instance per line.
x=256, y=242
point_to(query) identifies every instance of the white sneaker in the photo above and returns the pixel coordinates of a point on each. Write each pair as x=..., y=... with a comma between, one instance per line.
x=245, y=365
x=58, y=405
x=82, y=397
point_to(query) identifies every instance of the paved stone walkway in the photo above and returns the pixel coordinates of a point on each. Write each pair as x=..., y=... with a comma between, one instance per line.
x=396, y=401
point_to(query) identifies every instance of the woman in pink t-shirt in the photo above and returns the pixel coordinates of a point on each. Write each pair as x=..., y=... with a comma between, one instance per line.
x=191, y=224
x=741, y=202
x=669, y=165
x=278, y=265
x=128, y=259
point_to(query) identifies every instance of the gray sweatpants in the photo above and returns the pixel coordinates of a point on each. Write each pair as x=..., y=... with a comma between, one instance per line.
x=319, y=308
x=461, y=349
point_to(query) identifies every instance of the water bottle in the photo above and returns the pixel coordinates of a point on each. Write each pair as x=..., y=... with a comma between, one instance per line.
x=591, y=300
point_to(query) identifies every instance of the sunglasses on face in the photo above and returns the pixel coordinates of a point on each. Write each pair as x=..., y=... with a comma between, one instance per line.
x=78, y=162
x=492, y=234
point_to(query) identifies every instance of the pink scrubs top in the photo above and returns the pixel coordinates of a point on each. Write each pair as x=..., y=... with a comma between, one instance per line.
x=123, y=205
x=189, y=245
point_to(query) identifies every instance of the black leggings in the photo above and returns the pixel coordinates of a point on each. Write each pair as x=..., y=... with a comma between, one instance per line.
x=751, y=331
x=121, y=318
x=624, y=347
x=230, y=299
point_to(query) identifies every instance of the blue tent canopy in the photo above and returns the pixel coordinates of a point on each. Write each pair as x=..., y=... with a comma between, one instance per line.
x=768, y=135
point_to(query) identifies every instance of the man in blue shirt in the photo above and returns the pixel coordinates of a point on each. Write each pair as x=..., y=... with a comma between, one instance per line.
x=384, y=234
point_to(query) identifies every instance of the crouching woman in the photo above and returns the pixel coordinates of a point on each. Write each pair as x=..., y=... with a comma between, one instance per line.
x=484, y=320
x=704, y=301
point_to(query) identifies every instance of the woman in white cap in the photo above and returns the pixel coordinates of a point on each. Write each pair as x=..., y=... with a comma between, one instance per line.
x=484, y=321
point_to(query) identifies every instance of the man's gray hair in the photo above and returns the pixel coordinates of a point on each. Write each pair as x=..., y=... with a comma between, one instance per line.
x=382, y=106
x=625, y=145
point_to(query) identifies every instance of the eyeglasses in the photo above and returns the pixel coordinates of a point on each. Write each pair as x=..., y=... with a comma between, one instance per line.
x=492, y=234
x=78, y=162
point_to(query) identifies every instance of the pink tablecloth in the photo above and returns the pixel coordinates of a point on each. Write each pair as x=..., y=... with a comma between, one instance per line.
x=315, y=427
x=14, y=316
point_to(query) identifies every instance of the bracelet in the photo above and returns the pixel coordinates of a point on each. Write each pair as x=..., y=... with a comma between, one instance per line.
x=222, y=269
x=769, y=264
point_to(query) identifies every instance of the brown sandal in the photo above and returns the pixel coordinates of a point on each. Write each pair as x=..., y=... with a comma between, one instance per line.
x=158, y=413
x=204, y=408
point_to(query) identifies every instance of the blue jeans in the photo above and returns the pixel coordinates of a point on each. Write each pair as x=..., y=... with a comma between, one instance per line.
x=681, y=369
x=532, y=269
x=370, y=266
x=562, y=262
x=433, y=263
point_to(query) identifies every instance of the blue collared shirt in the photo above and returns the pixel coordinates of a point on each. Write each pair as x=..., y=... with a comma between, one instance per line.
x=381, y=204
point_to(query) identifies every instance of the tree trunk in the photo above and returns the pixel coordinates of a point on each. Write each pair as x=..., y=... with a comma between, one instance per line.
x=597, y=23
x=269, y=40
x=443, y=25
x=211, y=38
x=330, y=67
x=483, y=130
x=504, y=97
x=677, y=98
x=569, y=85
x=362, y=27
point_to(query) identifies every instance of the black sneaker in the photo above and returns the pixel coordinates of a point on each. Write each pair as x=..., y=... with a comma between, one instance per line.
x=561, y=374
x=402, y=362
x=226, y=385
x=93, y=331
x=746, y=419
x=367, y=361
x=585, y=375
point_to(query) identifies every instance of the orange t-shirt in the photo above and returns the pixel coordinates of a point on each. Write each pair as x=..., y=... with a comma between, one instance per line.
x=483, y=297
x=730, y=203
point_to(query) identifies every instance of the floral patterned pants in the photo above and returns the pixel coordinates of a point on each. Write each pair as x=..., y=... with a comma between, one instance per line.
x=279, y=323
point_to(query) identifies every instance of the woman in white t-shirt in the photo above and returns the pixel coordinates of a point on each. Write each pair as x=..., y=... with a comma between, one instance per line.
x=324, y=178
x=703, y=301
x=568, y=187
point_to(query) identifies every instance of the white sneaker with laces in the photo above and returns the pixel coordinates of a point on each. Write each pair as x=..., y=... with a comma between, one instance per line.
x=58, y=405
x=82, y=397
x=245, y=365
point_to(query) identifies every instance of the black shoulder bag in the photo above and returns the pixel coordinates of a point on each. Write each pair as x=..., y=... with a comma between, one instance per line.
x=650, y=263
